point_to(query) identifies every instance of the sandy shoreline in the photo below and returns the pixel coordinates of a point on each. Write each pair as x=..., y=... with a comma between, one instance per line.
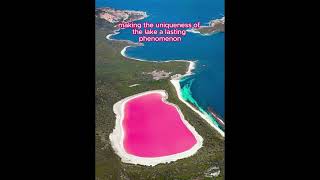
x=115, y=32
x=117, y=136
x=123, y=53
x=133, y=85
x=176, y=84
x=133, y=44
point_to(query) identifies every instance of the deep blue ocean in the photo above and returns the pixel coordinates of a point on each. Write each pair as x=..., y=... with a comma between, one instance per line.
x=207, y=84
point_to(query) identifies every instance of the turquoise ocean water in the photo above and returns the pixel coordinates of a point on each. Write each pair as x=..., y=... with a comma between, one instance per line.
x=206, y=87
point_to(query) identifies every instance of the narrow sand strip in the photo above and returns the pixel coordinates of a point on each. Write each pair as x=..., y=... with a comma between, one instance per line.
x=193, y=31
x=176, y=84
x=115, y=32
x=133, y=85
x=123, y=53
x=117, y=136
x=112, y=34
x=133, y=44
x=220, y=120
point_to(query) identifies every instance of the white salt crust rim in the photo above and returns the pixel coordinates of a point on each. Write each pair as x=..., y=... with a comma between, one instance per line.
x=117, y=136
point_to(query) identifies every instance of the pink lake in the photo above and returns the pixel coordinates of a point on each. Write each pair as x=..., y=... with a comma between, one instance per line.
x=153, y=128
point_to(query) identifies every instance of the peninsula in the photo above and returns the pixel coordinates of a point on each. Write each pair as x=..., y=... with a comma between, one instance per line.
x=215, y=26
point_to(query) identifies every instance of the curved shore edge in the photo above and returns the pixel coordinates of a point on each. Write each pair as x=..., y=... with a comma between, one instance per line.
x=133, y=44
x=115, y=32
x=123, y=53
x=175, y=82
x=117, y=136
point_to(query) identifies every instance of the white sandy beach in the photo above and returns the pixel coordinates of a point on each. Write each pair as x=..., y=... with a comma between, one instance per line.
x=112, y=34
x=176, y=84
x=117, y=136
x=133, y=85
x=115, y=32
x=133, y=44
x=123, y=53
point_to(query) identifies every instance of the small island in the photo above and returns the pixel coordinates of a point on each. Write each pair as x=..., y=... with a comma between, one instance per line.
x=215, y=26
